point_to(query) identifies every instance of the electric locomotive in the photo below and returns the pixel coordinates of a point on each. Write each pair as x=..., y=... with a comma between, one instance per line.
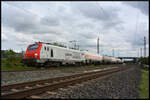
x=46, y=54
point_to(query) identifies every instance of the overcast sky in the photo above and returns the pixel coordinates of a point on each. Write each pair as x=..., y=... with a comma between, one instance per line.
x=119, y=25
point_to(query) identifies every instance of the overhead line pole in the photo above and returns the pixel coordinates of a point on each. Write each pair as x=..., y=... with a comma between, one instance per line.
x=138, y=53
x=141, y=52
x=98, y=45
x=113, y=52
x=144, y=46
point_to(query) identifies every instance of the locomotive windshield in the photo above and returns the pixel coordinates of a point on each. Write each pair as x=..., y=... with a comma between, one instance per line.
x=33, y=47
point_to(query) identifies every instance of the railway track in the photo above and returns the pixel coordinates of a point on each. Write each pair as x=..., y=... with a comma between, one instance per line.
x=28, y=89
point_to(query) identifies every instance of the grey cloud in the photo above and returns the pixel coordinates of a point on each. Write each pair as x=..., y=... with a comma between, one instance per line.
x=26, y=23
x=141, y=5
x=17, y=19
x=50, y=21
x=135, y=42
x=45, y=30
x=86, y=42
x=85, y=25
x=88, y=10
x=89, y=46
x=119, y=28
x=49, y=38
x=112, y=24
x=108, y=16
x=4, y=39
x=137, y=39
x=88, y=35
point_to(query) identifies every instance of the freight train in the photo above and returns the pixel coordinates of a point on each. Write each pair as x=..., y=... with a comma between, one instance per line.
x=45, y=54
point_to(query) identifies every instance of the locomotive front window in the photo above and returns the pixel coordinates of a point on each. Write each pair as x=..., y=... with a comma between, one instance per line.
x=33, y=47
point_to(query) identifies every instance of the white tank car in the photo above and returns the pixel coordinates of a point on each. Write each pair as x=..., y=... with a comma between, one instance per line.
x=92, y=58
x=107, y=59
x=121, y=61
x=118, y=60
x=59, y=54
x=114, y=60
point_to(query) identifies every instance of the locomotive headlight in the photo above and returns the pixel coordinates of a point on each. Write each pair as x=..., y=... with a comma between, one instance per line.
x=35, y=54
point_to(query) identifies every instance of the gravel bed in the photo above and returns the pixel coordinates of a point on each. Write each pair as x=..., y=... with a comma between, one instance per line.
x=19, y=77
x=123, y=85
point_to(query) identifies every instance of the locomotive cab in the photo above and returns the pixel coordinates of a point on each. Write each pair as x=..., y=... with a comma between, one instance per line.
x=32, y=53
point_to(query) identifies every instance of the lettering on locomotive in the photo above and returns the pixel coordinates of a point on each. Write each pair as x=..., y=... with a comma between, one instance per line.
x=76, y=55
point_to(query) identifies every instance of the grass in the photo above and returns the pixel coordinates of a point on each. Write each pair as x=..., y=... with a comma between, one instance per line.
x=144, y=85
x=8, y=68
x=19, y=66
x=14, y=64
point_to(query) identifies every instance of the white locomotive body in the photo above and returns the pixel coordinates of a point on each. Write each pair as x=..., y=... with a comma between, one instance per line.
x=59, y=54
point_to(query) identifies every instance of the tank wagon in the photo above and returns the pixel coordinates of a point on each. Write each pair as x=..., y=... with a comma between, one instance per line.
x=107, y=60
x=92, y=58
x=41, y=53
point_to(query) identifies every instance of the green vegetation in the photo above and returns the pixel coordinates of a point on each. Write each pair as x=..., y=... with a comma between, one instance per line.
x=144, y=85
x=11, y=61
x=8, y=53
x=145, y=63
x=145, y=60
x=14, y=63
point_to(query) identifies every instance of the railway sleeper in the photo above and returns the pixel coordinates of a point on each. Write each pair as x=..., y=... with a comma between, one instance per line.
x=63, y=84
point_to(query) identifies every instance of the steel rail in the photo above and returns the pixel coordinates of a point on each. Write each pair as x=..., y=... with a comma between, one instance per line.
x=33, y=91
x=32, y=83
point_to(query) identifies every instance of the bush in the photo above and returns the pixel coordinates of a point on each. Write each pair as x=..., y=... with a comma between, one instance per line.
x=145, y=61
x=12, y=61
x=8, y=64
